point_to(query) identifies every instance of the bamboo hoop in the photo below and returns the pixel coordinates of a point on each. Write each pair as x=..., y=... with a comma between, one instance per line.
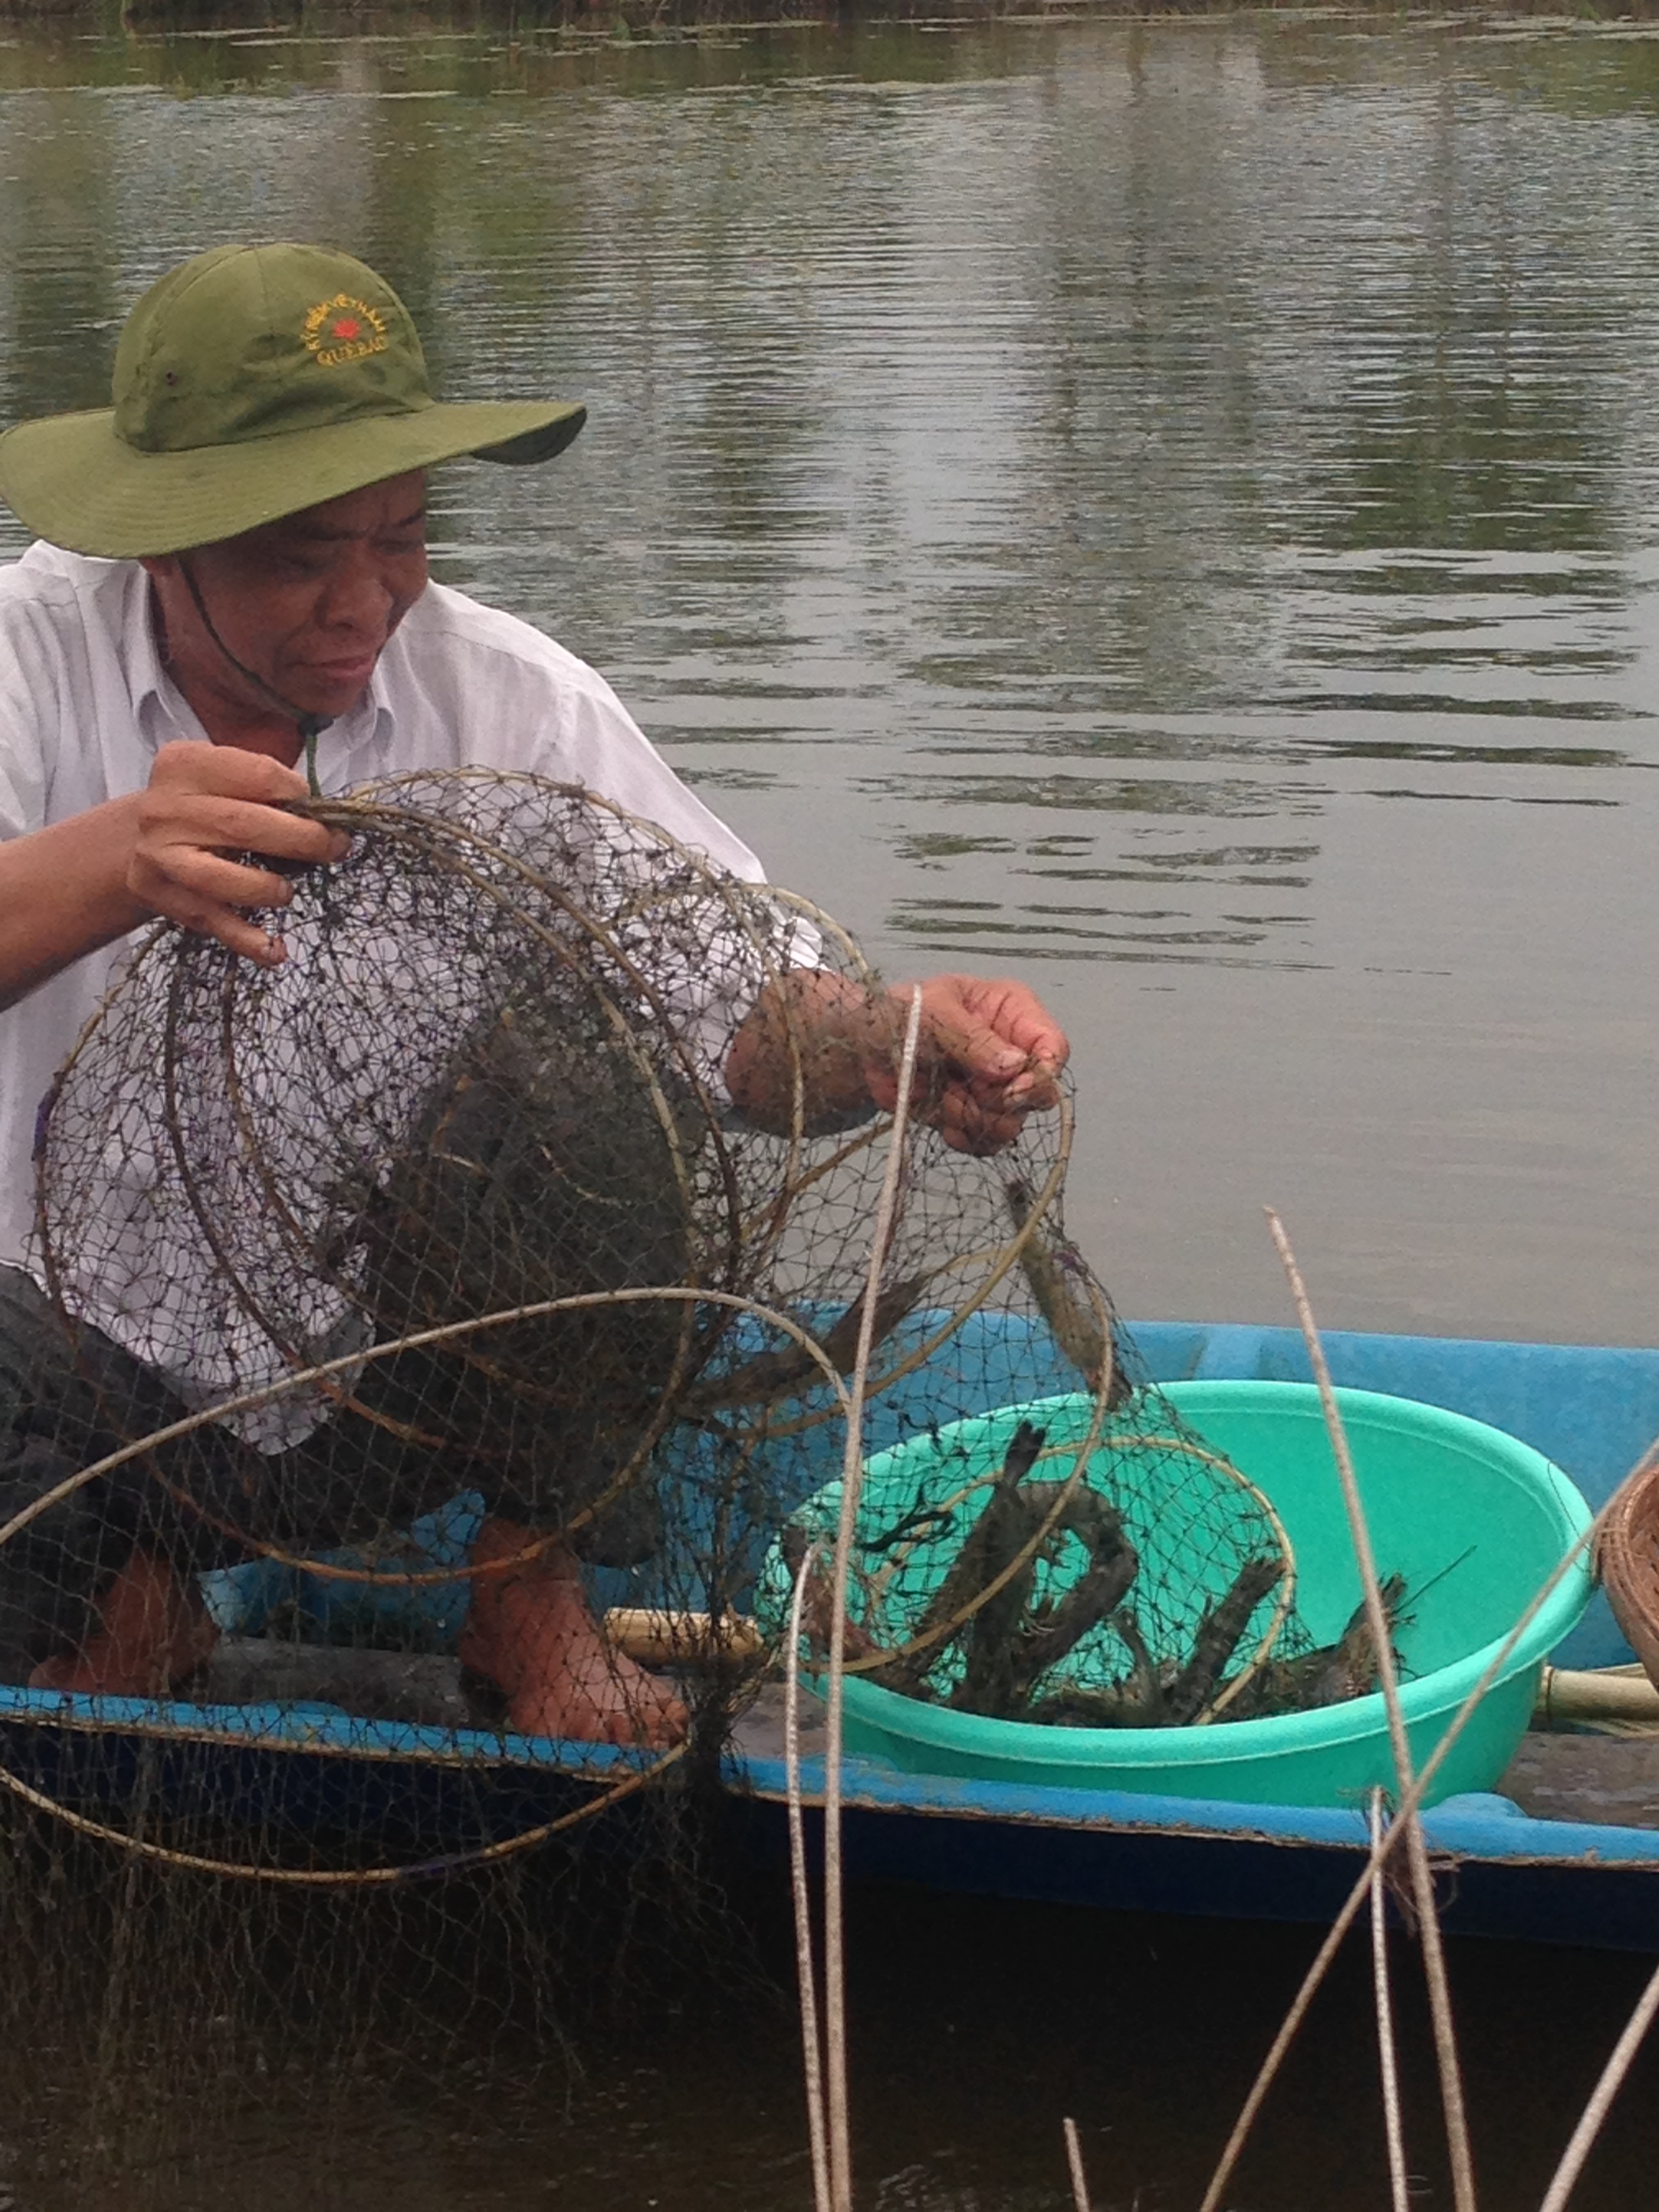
x=1285, y=1598
x=250, y=1400
x=443, y=836
x=362, y=1876
x=376, y=1877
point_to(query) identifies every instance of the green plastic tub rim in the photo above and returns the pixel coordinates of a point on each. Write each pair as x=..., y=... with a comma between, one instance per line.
x=1428, y=1701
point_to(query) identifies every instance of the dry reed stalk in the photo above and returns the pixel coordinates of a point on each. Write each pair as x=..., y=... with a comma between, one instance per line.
x=1417, y=1856
x=852, y=1480
x=1387, y=2056
x=1267, y=2073
x=1601, y=2103
x=805, y=1966
x=1074, y=2162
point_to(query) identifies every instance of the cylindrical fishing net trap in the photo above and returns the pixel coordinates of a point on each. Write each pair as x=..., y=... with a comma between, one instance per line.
x=432, y=1379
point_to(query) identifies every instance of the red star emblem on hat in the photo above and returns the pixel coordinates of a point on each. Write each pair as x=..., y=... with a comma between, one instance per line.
x=348, y=327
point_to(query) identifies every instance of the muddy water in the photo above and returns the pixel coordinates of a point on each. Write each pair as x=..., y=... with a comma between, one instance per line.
x=1162, y=509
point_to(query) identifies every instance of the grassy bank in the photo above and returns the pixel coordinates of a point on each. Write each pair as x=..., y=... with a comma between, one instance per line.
x=412, y=17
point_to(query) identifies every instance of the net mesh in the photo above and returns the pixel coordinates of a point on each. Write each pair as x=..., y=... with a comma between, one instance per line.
x=490, y=1270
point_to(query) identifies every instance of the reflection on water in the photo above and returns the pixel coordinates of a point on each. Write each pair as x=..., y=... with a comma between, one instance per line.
x=1164, y=507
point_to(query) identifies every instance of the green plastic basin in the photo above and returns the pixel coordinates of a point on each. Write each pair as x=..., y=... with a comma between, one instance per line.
x=1473, y=1519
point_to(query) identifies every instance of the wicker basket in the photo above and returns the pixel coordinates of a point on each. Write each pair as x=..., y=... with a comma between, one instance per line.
x=1627, y=1556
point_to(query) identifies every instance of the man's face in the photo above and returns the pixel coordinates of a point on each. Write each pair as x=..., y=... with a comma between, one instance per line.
x=307, y=604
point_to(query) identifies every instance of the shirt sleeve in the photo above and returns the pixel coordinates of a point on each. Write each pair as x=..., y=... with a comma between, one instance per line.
x=31, y=682
x=471, y=684
x=527, y=705
x=595, y=741
x=711, y=971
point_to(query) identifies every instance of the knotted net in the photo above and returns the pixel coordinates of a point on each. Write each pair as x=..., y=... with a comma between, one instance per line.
x=464, y=1307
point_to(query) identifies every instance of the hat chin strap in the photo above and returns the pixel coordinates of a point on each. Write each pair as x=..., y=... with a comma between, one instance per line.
x=310, y=726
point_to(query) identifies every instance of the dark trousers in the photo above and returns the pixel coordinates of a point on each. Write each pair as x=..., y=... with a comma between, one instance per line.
x=69, y=1397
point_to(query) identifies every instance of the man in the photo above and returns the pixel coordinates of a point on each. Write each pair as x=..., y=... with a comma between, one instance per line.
x=232, y=576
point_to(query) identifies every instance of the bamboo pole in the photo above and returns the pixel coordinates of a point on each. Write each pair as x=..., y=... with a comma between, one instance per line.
x=657, y=1636
x=1596, y=1693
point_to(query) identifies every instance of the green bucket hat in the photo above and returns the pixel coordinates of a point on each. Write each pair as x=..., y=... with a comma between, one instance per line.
x=251, y=382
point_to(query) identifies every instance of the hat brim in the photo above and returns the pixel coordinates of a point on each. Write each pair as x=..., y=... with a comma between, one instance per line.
x=70, y=480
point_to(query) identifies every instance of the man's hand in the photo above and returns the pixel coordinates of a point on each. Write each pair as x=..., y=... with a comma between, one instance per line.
x=67, y=889
x=202, y=803
x=987, y=1055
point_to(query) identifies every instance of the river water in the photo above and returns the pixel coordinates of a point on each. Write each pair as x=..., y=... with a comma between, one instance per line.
x=1163, y=509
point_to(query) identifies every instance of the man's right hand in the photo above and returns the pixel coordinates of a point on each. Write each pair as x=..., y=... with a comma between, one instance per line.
x=203, y=804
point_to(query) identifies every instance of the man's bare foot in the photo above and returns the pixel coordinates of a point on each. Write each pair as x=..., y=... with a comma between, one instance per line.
x=531, y=1632
x=153, y=1629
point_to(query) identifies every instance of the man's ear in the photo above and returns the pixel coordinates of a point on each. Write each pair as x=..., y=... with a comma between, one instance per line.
x=160, y=567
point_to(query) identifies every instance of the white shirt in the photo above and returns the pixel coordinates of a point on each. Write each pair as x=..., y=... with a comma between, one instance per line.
x=85, y=703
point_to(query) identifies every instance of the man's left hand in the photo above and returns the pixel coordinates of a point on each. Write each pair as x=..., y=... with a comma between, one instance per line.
x=988, y=1055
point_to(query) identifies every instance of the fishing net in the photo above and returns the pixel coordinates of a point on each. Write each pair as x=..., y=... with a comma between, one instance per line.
x=444, y=1334
x=1057, y=1573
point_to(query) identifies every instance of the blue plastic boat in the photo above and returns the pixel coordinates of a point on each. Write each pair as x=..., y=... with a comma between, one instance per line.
x=1580, y=1880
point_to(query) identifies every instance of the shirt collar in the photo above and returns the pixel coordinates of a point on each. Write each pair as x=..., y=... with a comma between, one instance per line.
x=151, y=684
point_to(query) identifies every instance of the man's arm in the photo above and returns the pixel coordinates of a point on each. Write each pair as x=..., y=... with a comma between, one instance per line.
x=71, y=887
x=988, y=1054
x=63, y=893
